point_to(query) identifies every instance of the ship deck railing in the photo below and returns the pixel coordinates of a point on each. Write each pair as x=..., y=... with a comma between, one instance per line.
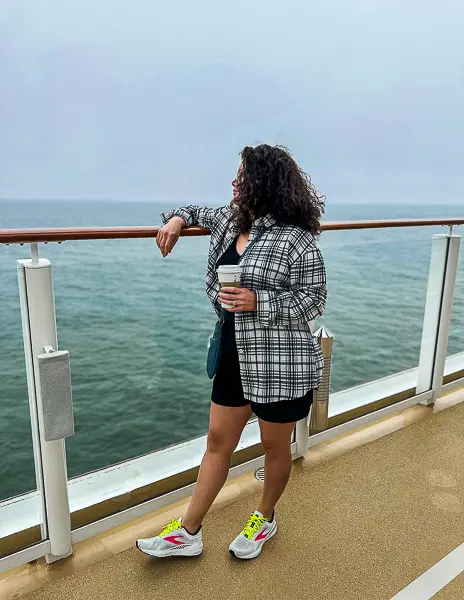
x=61, y=513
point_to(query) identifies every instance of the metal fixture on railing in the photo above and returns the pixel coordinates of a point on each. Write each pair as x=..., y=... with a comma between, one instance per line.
x=319, y=416
x=56, y=392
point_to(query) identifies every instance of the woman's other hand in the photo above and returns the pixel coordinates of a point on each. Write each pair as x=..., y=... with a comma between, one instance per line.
x=168, y=235
x=240, y=299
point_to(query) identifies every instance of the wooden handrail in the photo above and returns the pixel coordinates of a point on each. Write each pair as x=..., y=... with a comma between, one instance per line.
x=24, y=236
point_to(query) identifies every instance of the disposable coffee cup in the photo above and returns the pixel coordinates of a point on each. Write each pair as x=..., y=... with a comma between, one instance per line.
x=229, y=276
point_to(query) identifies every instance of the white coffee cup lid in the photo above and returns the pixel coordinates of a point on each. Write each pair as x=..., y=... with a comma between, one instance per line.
x=229, y=269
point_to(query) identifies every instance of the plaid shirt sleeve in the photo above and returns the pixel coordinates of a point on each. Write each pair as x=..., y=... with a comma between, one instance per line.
x=305, y=301
x=196, y=215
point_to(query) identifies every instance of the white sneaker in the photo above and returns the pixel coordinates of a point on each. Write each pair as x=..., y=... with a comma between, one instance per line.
x=173, y=540
x=257, y=532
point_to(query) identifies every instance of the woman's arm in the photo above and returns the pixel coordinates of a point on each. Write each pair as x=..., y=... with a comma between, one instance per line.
x=195, y=215
x=306, y=299
x=175, y=220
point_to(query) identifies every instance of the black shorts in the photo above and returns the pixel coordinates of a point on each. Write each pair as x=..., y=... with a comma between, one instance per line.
x=286, y=411
x=228, y=390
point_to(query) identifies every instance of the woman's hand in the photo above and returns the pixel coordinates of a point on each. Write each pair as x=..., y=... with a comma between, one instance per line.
x=240, y=299
x=168, y=235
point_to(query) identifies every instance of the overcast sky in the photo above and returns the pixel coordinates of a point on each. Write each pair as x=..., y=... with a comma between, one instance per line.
x=151, y=100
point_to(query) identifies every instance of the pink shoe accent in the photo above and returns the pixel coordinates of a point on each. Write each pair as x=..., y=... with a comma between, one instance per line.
x=175, y=539
x=262, y=536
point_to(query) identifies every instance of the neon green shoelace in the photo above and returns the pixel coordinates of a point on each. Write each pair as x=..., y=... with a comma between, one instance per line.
x=253, y=525
x=174, y=525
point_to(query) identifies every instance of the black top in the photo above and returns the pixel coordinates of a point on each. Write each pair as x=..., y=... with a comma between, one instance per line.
x=229, y=345
x=230, y=256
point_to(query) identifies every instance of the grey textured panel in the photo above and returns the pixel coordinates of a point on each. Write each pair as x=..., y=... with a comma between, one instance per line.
x=55, y=385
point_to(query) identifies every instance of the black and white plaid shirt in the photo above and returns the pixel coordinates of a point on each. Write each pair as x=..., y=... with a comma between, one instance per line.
x=279, y=357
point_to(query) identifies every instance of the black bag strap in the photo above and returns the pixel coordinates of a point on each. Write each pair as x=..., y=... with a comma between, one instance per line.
x=254, y=241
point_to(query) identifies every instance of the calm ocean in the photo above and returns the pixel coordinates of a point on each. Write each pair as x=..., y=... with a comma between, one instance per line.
x=137, y=325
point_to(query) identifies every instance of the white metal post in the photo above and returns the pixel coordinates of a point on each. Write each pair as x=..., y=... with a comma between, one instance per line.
x=302, y=437
x=318, y=416
x=31, y=394
x=38, y=308
x=437, y=316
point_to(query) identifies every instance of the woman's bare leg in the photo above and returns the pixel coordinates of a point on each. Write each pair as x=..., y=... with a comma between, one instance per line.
x=225, y=428
x=276, y=439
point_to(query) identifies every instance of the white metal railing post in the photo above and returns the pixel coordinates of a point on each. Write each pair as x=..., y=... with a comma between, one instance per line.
x=302, y=437
x=39, y=330
x=318, y=416
x=437, y=316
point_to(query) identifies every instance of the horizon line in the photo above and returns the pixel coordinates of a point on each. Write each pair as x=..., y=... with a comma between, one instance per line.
x=146, y=201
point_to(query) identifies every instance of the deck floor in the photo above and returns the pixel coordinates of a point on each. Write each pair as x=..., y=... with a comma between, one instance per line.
x=361, y=526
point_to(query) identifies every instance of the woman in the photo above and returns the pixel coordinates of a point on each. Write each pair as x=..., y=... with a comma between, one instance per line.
x=270, y=361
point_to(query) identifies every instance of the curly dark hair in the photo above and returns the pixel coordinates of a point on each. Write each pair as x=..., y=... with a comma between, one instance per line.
x=270, y=181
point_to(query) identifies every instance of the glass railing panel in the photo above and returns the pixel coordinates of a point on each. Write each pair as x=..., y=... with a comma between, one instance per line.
x=17, y=474
x=17, y=471
x=377, y=292
x=456, y=337
x=137, y=327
